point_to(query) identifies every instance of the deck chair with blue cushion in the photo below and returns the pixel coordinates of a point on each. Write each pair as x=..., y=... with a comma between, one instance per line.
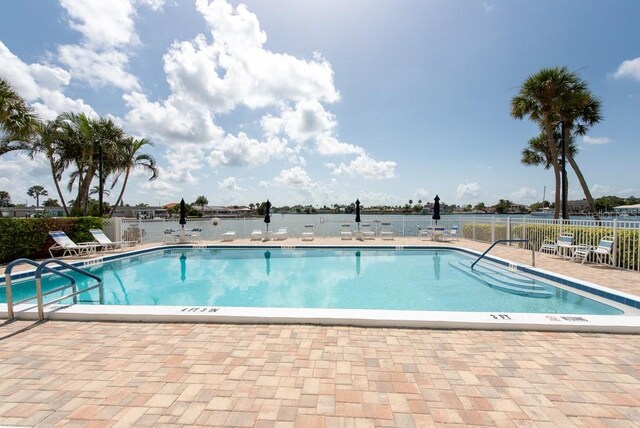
x=564, y=241
x=63, y=242
x=108, y=244
x=604, y=250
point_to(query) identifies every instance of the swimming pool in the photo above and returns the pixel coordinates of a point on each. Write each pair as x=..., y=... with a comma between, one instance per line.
x=355, y=279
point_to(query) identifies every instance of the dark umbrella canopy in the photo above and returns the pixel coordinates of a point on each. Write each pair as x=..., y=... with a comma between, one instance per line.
x=183, y=213
x=358, y=211
x=267, y=216
x=436, y=209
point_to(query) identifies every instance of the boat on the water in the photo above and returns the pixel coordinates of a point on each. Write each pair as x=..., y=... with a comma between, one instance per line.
x=543, y=212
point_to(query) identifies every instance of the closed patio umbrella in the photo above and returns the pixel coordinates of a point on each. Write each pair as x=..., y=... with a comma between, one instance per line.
x=358, y=213
x=183, y=219
x=436, y=209
x=267, y=217
x=183, y=213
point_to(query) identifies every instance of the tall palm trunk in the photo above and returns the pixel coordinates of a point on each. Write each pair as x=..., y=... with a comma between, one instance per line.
x=55, y=182
x=553, y=152
x=585, y=187
x=124, y=185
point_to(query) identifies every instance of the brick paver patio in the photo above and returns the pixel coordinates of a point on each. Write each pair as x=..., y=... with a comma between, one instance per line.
x=112, y=374
x=144, y=374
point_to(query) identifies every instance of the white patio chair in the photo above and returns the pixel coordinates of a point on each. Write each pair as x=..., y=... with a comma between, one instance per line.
x=366, y=232
x=345, y=232
x=424, y=233
x=581, y=253
x=452, y=233
x=604, y=250
x=256, y=235
x=309, y=232
x=386, y=232
x=564, y=242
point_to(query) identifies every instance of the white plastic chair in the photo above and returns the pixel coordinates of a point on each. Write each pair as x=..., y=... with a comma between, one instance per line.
x=452, y=233
x=345, y=233
x=424, y=233
x=604, y=250
x=256, y=235
x=309, y=232
x=366, y=231
x=386, y=232
x=564, y=242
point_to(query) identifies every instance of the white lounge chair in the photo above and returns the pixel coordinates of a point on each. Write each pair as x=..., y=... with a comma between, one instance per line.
x=108, y=244
x=256, y=235
x=386, y=232
x=63, y=242
x=281, y=234
x=345, y=232
x=228, y=236
x=564, y=242
x=366, y=232
x=309, y=232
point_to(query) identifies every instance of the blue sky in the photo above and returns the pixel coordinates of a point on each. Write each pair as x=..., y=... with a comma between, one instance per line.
x=318, y=102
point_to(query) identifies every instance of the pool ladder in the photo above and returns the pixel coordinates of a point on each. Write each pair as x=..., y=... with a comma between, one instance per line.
x=533, y=252
x=42, y=267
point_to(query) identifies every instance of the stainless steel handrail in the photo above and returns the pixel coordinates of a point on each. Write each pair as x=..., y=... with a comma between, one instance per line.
x=7, y=282
x=533, y=252
x=39, y=295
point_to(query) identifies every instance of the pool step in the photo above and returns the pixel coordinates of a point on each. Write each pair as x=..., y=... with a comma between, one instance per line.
x=517, y=288
x=499, y=274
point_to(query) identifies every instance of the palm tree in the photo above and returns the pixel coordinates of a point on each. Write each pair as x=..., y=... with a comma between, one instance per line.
x=551, y=97
x=37, y=191
x=17, y=120
x=131, y=159
x=202, y=201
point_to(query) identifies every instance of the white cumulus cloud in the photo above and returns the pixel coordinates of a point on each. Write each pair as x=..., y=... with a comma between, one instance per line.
x=367, y=167
x=629, y=68
x=468, y=190
x=295, y=177
x=524, y=195
x=229, y=183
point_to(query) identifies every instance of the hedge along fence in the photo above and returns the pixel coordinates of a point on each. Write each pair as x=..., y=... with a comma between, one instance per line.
x=29, y=237
x=627, y=241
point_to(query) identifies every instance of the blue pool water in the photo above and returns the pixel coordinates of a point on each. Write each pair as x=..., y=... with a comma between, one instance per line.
x=428, y=280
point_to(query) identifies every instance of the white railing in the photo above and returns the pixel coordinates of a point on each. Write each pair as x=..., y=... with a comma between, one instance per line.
x=478, y=228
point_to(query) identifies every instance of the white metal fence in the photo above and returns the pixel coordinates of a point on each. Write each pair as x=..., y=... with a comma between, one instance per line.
x=488, y=229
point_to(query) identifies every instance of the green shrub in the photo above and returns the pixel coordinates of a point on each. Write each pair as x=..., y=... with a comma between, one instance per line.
x=29, y=237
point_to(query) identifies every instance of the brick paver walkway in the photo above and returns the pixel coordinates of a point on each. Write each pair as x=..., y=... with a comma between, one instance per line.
x=119, y=374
